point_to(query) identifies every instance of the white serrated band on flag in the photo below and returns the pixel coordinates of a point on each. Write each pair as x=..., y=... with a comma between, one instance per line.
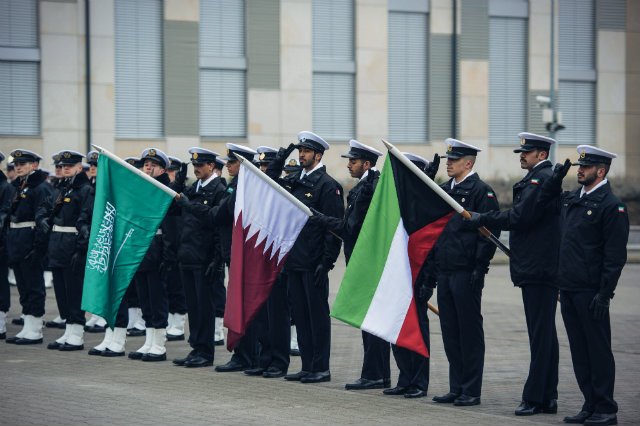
x=267, y=212
x=390, y=303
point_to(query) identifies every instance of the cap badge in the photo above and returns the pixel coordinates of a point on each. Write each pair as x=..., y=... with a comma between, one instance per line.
x=17, y=154
x=56, y=158
x=583, y=154
x=194, y=156
x=449, y=148
x=262, y=155
x=152, y=153
x=522, y=141
x=66, y=154
x=94, y=156
x=292, y=162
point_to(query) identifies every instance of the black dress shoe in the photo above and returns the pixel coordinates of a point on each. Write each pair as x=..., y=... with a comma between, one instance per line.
x=148, y=357
x=578, y=418
x=218, y=342
x=67, y=347
x=53, y=324
x=273, y=373
x=319, y=377
x=254, y=371
x=180, y=361
x=94, y=351
x=197, y=361
x=28, y=341
x=294, y=352
x=54, y=346
x=95, y=329
x=111, y=354
x=175, y=337
x=550, y=407
x=466, y=401
x=600, y=419
x=446, y=399
x=12, y=340
x=527, y=409
x=231, y=366
x=136, y=332
x=135, y=355
x=364, y=384
x=398, y=390
x=413, y=392
x=17, y=321
x=296, y=377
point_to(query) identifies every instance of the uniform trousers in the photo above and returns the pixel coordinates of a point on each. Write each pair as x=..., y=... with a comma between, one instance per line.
x=199, y=294
x=540, y=303
x=30, y=287
x=414, y=368
x=67, y=285
x=375, y=364
x=462, y=331
x=5, y=292
x=311, y=314
x=175, y=292
x=152, y=295
x=274, y=330
x=219, y=293
x=590, y=344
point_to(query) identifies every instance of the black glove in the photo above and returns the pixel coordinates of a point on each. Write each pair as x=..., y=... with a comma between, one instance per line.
x=475, y=220
x=77, y=261
x=599, y=306
x=44, y=226
x=559, y=172
x=281, y=157
x=319, y=275
x=181, y=176
x=84, y=232
x=183, y=201
x=324, y=221
x=476, y=281
x=432, y=169
x=212, y=269
x=424, y=292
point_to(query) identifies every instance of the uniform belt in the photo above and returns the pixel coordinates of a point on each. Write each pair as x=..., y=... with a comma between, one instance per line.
x=65, y=229
x=159, y=232
x=18, y=225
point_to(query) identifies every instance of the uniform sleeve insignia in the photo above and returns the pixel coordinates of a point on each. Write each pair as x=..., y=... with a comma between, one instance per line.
x=535, y=181
x=621, y=208
x=491, y=194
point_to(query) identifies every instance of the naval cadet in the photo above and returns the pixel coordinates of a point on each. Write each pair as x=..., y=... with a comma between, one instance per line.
x=594, y=231
x=27, y=241
x=460, y=259
x=7, y=192
x=313, y=255
x=533, y=239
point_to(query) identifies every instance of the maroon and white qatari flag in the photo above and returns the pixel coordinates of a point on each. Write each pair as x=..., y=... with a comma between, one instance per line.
x=266, y=225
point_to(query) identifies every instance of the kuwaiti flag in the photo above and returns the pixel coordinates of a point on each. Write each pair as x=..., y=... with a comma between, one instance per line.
x=266, y=225
x=402, y=225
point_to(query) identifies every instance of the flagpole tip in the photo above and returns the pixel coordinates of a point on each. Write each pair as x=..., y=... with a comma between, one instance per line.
x=387, y=144
x=97, y=147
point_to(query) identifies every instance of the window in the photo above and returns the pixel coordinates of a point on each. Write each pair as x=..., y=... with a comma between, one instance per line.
x=19, y=68
x=138, y=56
x=333, y=69
x=408, y=75
x=577, y=79
x=223, y=68
x=507, y=71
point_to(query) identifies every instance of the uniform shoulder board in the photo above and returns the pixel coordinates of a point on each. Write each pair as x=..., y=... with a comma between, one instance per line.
x=490, y=194
x=621, y=208
x=535, y=181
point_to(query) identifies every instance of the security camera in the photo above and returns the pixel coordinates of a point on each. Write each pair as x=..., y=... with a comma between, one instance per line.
x=543, y=101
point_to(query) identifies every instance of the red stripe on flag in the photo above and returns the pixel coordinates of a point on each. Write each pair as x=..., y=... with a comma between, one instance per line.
x=422, y=241
x=410, y=336
x=251, y=277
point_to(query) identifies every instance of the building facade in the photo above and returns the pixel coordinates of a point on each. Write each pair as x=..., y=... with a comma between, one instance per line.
x=180, y=73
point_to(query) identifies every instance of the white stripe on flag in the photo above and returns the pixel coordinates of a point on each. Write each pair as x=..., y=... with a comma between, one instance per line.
x=390, y=303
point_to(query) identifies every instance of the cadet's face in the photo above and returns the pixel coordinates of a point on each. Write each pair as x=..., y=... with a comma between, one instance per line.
x=308, y=158
x=172, y=175
x=456, y=168
x=528, y=160
x=24, y=168
x=69, y=170
x=93, y=171
x=203, y=170
x=263, y=167
x=233, y=167
x=59, y=172
x=587, y=175
x=356, y=168
x=152, y=168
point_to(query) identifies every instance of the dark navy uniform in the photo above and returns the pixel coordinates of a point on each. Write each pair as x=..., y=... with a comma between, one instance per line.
x=461, y=257
x=199, y=244
x=311, y=257
x=534, y=240
x=7, y=192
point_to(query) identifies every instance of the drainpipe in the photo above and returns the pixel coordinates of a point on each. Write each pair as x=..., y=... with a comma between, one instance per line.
x=87, y=54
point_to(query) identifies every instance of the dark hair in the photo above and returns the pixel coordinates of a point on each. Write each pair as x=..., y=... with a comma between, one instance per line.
x=604, y=166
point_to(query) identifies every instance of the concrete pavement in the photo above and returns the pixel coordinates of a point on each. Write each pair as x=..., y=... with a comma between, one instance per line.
x=43, y=387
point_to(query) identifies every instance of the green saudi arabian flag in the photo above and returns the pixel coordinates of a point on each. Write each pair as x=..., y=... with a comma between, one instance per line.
x=129, y=207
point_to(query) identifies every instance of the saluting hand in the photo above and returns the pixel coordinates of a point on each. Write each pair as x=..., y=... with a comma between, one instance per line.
x=560, y=171
x=432, y=169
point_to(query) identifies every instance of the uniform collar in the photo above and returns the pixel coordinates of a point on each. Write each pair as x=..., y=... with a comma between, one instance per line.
x=583, y=192
x=454, y=183
x=366, y=173
x=202, y=184
x=305, y=173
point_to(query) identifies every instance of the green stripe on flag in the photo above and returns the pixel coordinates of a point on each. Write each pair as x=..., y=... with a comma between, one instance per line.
x=370, y=254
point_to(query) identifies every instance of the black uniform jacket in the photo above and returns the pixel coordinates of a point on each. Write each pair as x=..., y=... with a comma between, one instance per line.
x=157, y=253
x=199, y=240
x=7, y=193
x=71, y=197
x=172, y=228
x=534, y=228
x=222, y=217
x=31, y=203
x=314, y=245
x=594, y=231
x=460, y=247
x=358, y=201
